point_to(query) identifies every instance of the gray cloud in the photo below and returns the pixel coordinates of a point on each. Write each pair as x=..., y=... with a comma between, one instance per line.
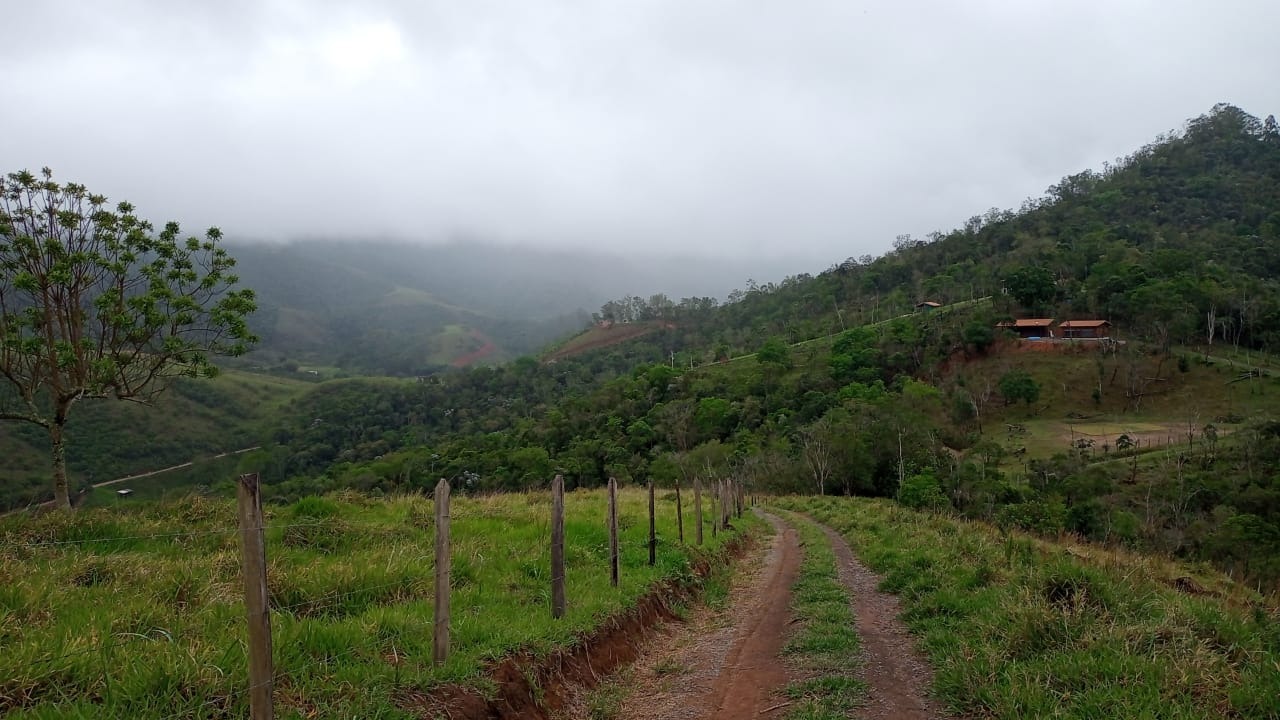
x=806, y=128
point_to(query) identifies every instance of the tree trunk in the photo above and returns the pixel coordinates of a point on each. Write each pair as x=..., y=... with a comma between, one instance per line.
x=61, y=494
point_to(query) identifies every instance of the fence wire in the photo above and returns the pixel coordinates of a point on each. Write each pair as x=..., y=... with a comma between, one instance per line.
x=627, y=541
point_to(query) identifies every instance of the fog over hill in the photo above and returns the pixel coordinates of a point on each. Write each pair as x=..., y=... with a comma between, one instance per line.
x=815, y=129
x=508, y=281
x=403, y=308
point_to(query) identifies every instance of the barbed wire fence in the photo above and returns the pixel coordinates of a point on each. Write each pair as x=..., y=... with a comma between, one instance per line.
x=726, y=498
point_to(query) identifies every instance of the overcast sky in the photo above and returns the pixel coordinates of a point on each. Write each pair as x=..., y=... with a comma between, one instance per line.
x=810, y=128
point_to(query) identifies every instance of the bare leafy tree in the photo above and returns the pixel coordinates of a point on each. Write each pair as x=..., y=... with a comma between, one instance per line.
x=95, y=304
x=818, y=453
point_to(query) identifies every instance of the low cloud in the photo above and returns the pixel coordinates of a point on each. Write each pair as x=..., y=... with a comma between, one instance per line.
x=812, y=129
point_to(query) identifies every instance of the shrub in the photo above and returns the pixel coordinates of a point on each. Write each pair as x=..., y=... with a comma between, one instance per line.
x=922, y=492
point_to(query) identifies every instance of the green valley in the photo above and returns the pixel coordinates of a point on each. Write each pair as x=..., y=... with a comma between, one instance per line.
x=1077, y=522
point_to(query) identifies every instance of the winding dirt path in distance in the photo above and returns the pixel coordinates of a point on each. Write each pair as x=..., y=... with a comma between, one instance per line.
x=896, y=674
x=718, y=663
x=126, y=478
x=487, y=348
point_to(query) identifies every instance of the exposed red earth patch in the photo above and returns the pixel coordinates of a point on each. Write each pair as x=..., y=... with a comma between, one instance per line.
x=486, y=349
x=602, y=336
x=534, y=688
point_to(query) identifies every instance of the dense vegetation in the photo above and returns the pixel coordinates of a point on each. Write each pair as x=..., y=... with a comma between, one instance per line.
x=1178, y=242
x=936, y=408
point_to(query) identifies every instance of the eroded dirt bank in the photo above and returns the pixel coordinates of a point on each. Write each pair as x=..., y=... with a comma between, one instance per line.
x=529, y=688
x=717, y=663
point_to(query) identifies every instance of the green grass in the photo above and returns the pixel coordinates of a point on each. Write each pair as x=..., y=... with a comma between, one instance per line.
x=825, y=645
x=144, y=627
x=1234, y=359
x=171, y=485
x=1017, y=627
x=108, y=439
x=1067, y=410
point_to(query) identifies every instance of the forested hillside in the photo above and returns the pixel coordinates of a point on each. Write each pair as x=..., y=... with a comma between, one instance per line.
x=1137, y=442
x=1178, y=243
x=832, y=384
x=193, y=421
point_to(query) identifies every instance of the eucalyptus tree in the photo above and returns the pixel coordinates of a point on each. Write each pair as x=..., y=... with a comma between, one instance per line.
x=95, y=304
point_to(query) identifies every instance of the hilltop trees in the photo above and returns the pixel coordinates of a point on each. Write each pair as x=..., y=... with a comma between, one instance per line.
x=1032, y=287
x=1018, y=385
x=94, y=304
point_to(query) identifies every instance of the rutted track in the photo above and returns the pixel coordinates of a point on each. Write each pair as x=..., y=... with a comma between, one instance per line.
x=720, y=664
x=727, y=663
x=897, y=676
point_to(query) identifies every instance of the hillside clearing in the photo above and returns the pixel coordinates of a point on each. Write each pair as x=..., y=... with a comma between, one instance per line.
x=599, y=336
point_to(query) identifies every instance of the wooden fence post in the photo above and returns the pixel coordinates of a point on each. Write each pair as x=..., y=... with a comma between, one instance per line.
x=726, y=507
x=557, y=547
x=697, y=508
x=613, y=532
x=679, y=513
x=444, y=565
x=653, y=535
x=715, y=518
x=257, y=609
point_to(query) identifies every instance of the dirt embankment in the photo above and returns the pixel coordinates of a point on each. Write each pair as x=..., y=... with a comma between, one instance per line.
x=487, y=348
x=604, y=336
x=718, y=662
x=533, y=688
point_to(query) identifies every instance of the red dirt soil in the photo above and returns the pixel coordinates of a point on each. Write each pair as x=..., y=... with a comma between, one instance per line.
x=601, y=337
x=532, y=688
x=716, y=662
x=486, y=349
x=896, y=674
x=754, y=671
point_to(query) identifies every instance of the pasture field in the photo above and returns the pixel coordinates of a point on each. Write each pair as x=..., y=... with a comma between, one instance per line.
x=138, y=612
x=1020, y=627
x=106, y=439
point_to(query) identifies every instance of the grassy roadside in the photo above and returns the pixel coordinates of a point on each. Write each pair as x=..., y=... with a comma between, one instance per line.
x=152, y=623
x=1018, y=627
x=825, y=645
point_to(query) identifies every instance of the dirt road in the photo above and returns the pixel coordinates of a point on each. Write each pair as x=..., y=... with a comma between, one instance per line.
x=896, y=675
x=726, y=662
x=722, y=662
x=127, y=478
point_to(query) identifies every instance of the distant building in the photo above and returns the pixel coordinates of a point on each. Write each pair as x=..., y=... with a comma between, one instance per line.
x=1085, y=329
x=927, y=306
x=1030, y=328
